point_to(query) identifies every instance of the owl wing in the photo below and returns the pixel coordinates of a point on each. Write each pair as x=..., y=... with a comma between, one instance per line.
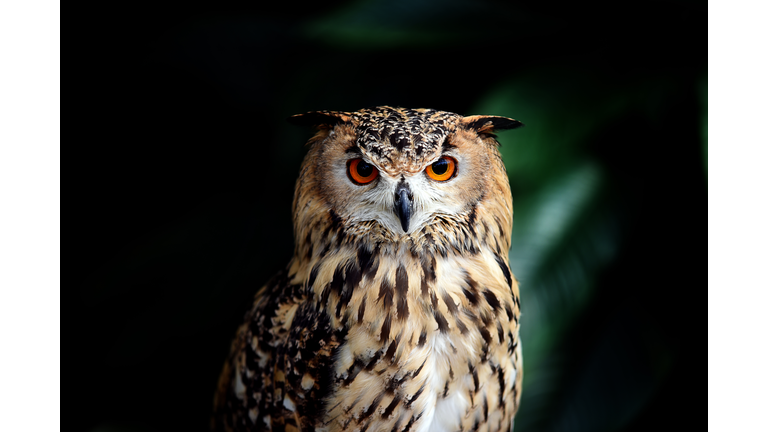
x=278, y=373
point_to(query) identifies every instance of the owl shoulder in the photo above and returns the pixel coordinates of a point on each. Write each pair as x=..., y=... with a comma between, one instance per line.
x=281, y=362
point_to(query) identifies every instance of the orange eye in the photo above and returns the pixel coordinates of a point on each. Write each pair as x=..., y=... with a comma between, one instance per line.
x=442, y=169
x=361, y=172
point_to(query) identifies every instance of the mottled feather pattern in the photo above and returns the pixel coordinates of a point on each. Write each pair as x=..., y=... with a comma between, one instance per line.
x=374, y=328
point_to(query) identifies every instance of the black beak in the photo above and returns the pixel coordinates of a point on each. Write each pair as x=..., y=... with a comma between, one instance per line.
x=403, y=204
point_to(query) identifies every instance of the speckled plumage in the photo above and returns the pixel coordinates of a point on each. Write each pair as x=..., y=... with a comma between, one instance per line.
x=372, y=327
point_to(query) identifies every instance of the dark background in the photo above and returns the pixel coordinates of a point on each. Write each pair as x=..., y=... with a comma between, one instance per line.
x=186, y=169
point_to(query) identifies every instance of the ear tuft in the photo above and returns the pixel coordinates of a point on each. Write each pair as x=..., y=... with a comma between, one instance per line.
x=489, y=124
x=320, y=119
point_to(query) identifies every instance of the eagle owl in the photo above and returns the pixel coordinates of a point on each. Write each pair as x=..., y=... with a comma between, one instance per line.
x=398, y=311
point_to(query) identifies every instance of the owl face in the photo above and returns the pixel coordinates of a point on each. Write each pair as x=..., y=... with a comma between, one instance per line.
x=402, y=169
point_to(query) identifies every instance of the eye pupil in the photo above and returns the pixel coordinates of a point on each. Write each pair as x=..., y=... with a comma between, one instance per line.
x=440, y=167
x=364, y=169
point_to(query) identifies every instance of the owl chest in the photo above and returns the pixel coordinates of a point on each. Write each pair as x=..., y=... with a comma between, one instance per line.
x=426, y=358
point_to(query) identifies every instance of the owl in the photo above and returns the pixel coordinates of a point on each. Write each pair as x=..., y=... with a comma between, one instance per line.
x=398, y=311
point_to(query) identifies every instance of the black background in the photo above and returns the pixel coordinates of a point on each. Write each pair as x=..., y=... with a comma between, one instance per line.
x=185, y=170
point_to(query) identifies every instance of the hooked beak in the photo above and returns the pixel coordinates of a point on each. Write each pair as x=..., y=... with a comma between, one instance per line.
x=403, y=204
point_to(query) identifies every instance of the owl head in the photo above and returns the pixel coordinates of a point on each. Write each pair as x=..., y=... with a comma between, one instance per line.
x=391, y=173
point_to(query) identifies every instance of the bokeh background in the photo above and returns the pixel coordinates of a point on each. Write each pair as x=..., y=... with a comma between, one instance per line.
x=191, y=167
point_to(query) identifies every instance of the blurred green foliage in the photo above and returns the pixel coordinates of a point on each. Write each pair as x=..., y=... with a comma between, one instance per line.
x=606, y=177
